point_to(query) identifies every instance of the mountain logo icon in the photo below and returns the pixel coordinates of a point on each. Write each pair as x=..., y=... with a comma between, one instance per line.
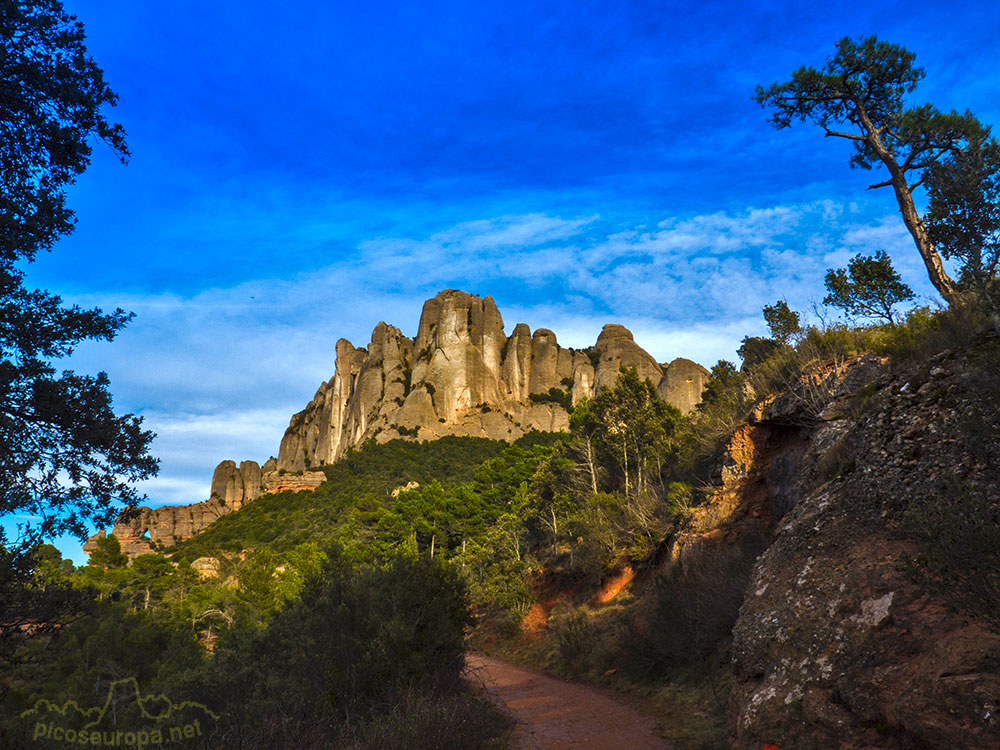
x=126, y=719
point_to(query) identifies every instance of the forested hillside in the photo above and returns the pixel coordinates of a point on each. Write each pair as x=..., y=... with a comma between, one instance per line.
x=800, y=551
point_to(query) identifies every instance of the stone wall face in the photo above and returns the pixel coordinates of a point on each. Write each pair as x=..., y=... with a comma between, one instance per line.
x=462, y=375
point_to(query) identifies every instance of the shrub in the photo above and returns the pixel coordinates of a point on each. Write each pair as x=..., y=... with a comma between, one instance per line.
x=959, y=532
x=555, y=396
x=358, y=644
x=691, y=610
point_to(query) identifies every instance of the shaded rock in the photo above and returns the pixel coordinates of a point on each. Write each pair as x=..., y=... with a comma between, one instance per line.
x=682, y=384
x=836, y=646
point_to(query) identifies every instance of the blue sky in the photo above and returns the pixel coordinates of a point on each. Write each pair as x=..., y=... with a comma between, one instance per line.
x=300, y=173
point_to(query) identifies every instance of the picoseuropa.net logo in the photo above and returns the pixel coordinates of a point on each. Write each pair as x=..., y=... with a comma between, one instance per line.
x=126, y=720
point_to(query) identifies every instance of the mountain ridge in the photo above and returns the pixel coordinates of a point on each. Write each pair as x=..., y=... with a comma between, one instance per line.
x=460, y=375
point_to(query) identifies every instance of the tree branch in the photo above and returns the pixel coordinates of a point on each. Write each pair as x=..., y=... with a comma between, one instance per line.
x=838, y=134
x=887, y=183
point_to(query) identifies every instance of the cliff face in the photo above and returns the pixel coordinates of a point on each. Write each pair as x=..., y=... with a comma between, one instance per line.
x=462, y=375
x=148, y=529
x=838, y=644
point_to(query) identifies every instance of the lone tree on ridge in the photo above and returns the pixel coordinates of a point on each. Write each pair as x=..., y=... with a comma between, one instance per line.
x=858, y=95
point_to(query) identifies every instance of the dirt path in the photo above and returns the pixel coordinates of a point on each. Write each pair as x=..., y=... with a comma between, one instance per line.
x=556, y=715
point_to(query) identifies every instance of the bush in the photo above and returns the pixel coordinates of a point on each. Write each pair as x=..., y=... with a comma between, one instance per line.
x=554, y=396
x=359, y=644
x=691, y=610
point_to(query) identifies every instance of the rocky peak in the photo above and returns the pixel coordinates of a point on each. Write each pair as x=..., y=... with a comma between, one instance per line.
x=462, y=375
x=616, y=348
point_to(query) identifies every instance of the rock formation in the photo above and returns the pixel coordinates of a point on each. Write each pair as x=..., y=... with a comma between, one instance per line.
x=145, y=530
x=462, y=375
x=837, y=645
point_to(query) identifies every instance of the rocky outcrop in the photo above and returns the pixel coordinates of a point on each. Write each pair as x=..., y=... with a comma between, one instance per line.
x=837, y=644
x=234, y=486
x=144, y=530
x=682, y=383
x=462, y=375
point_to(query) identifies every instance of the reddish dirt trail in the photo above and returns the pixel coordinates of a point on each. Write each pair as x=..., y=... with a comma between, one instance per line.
x=556, y=715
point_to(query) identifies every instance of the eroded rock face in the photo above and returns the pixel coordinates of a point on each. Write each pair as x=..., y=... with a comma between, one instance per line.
x=147, y=530
x=461, y=375
x=836, y=646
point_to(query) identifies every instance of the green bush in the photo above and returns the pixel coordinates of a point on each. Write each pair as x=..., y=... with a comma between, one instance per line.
x=554, y=396
x=359, y=644
x=959, y=533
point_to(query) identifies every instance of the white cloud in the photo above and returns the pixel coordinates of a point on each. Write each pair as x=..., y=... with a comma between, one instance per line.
x=218, y=374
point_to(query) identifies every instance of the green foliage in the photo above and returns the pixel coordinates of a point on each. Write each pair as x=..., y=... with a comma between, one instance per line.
x=52, y=102
x=357, y=641
x=725, y=403
x=67, y=458
x=36, y=596
x=680, y=498
x=782, y=321
x=868, y=288
x=554, y=396
x=859, y=95
x=631, y=428
x=755, y=350
x=351, y=507
x=355, y=653
x=108, y=553
x=963, y=217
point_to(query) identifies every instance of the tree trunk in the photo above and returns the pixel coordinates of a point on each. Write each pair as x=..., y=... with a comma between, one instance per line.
x=904, y=197
x=432, y=545
x=625, y=465
x=590, y=464
x=932, y=258
x=555, y=529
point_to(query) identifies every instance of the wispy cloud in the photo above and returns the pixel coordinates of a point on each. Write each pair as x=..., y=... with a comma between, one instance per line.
x=218, y=374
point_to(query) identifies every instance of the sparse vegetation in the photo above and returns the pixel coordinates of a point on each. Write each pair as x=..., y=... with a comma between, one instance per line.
x=554, y=396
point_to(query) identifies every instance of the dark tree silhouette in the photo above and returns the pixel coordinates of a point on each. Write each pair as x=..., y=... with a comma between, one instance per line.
x=66, y=457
